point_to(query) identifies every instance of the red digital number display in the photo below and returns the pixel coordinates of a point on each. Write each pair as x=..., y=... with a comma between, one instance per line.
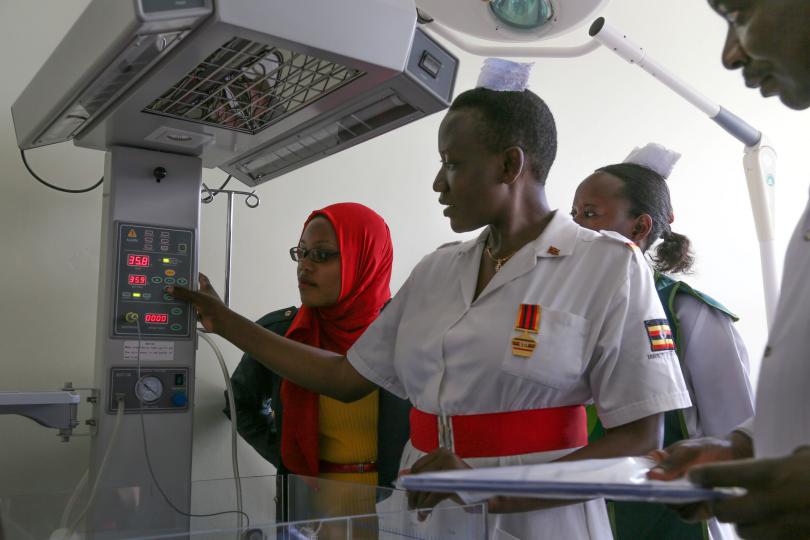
x=136, y=279
x=137, y=260
x=159, y=318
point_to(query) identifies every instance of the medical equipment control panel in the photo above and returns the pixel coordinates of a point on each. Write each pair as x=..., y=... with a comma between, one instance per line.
x=149, y=389
x=149, y=259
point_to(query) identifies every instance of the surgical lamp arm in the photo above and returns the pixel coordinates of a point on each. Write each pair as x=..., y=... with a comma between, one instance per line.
x=759, y=160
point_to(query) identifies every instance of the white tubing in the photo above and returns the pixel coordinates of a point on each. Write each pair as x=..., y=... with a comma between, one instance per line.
x=232, y=405
x=63, y=522
x=619, y=43
x=94, y=491
x=510, y=51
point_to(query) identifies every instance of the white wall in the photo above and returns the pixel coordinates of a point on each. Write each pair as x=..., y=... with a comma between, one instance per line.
x=603, y=107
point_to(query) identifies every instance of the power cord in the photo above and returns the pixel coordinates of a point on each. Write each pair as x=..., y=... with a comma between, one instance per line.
x=57, y=188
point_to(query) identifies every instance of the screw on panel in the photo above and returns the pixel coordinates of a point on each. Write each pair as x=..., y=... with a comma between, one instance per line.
x=159, y=173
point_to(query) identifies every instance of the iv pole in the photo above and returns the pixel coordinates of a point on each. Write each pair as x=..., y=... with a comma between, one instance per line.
x=252, y=201
x=759, y=160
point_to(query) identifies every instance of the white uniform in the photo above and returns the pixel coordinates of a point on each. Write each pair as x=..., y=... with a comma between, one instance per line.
x=452, y=355
x=715, y=366
x=782, y=420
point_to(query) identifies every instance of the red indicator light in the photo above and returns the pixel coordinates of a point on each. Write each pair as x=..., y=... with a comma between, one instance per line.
x=157, y=318
x=137, y=260
x=136, y=279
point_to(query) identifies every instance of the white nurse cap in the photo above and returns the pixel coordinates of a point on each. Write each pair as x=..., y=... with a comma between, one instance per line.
x=654, y=156
x=504, y=75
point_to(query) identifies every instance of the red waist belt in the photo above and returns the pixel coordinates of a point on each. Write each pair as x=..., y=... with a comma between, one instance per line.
x=501, y=434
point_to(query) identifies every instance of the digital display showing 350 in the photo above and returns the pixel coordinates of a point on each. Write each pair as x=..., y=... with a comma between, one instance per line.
x=137, y=260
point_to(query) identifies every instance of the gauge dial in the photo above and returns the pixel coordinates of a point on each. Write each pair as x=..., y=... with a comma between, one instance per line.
x=149, y=389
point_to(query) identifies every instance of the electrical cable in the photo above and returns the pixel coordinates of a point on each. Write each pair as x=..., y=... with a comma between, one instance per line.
x=57, y=188
x=149, y=461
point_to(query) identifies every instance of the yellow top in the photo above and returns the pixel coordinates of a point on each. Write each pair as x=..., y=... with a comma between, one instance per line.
x=348, y=434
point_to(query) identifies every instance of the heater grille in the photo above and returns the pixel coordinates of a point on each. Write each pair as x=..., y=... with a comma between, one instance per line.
x=247, y=86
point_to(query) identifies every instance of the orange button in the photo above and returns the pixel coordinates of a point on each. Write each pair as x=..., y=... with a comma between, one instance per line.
x=169, y=272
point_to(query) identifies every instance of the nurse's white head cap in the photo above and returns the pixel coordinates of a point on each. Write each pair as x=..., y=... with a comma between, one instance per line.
x=504, y=75
x=656, y=157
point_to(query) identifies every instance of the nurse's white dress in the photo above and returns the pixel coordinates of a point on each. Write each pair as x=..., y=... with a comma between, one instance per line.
x=452, y=355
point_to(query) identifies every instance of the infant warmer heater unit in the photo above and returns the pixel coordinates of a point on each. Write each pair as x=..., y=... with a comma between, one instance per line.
x=165, y=87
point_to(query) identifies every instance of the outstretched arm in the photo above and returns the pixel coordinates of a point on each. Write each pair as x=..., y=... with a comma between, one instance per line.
x=318, y=370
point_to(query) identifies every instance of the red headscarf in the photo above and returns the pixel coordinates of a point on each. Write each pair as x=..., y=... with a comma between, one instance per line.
x=366, y=254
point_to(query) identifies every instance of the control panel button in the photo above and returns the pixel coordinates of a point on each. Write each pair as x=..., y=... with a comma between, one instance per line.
x=182, y=248
x=142, y=277
x=430, y=65
x=179, y=399
x=179, y=379
x=182, y=281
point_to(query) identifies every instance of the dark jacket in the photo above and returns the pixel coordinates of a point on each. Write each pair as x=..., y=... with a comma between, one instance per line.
x=257, y=395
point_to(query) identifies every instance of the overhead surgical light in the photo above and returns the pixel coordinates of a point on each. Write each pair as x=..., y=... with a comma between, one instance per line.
x=508, y=27
x=523, y=14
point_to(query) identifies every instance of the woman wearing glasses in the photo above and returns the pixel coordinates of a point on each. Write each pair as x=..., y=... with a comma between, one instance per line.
x=344, y=261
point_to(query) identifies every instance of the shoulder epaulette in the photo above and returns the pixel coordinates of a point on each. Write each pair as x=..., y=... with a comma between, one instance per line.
x=448, y=244
x=278, y=316
x=632, y=246
x=664, y=282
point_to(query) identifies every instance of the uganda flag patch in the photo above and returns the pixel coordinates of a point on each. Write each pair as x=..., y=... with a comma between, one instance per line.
x=660, y=335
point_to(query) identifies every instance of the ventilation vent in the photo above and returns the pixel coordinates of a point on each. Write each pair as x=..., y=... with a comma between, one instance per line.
x=247, y=86
x=324, y=139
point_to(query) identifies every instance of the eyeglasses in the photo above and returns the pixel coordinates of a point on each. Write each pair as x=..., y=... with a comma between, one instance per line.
x=316, y=255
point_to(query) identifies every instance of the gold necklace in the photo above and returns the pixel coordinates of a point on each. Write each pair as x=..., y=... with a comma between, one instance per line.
x=499, y=261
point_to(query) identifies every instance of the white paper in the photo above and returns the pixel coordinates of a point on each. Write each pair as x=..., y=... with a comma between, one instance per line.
x=616, y=478
x=149, y=350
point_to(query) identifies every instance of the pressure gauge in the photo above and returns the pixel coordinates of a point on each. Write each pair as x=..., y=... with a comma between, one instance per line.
x=149, y=389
